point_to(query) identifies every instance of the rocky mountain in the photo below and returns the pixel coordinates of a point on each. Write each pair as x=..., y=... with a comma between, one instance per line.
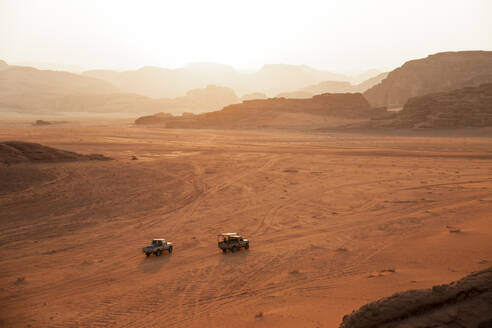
x=273, y=112
x=159, y=82
x=30, y=90
x=329, y=86
x=273, y=79
x=210, y=98
x=466, y=107
x=364, y=76
x=27, y=89
x=465, y=303
x=370, y=82
x=436, y=73
x=333, y=87
x=22, y=80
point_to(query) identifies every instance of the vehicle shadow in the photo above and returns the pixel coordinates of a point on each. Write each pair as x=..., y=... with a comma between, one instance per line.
x=154, y=264
x=235, y=258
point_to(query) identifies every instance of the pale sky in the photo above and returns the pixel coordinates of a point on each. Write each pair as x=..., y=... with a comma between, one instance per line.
x=342, y=36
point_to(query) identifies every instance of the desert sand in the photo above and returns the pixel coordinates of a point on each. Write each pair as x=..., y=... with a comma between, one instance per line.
x=335, y=221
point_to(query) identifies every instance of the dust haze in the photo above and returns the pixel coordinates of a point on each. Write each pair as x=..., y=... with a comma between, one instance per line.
x=277, y=164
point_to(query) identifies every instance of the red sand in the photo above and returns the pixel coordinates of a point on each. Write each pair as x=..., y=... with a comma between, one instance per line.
x=326, y=215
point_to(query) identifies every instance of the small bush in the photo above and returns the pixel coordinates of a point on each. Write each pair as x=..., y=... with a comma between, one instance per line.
x=20, y=280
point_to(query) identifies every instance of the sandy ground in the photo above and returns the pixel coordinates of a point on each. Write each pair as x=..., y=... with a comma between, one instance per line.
x=335, y=221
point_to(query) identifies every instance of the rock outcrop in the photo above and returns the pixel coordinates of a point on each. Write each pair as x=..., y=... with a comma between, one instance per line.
x=14, y=152
x=260, y=113
x=466, y=107
x=436, y=73
x=43, y=122
x=157, y=118
x=465, y=303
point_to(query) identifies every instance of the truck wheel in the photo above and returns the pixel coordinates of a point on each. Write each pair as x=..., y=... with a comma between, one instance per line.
x=148, y=254
x=157, y=253
x=170, y=250
x=247, y=246
x=233, y=249
x=224, y=250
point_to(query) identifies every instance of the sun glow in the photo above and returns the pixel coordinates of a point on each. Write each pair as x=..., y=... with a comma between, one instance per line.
x=332, y=35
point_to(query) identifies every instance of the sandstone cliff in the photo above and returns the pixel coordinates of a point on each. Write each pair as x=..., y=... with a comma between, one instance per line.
x=440, y=72
x=465, y=303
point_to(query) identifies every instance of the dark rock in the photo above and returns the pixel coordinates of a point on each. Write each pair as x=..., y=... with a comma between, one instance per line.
x=41, y=122
x=465, y=303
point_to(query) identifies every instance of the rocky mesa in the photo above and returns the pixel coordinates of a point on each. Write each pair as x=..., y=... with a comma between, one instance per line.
x=280, y=112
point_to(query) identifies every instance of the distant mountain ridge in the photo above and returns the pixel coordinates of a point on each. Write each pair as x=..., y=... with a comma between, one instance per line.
x=28, y=79
x=29, y=90
x=157, y=82
x=334, y=87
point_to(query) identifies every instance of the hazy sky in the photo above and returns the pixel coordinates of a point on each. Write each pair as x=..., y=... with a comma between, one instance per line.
x=336, y=35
